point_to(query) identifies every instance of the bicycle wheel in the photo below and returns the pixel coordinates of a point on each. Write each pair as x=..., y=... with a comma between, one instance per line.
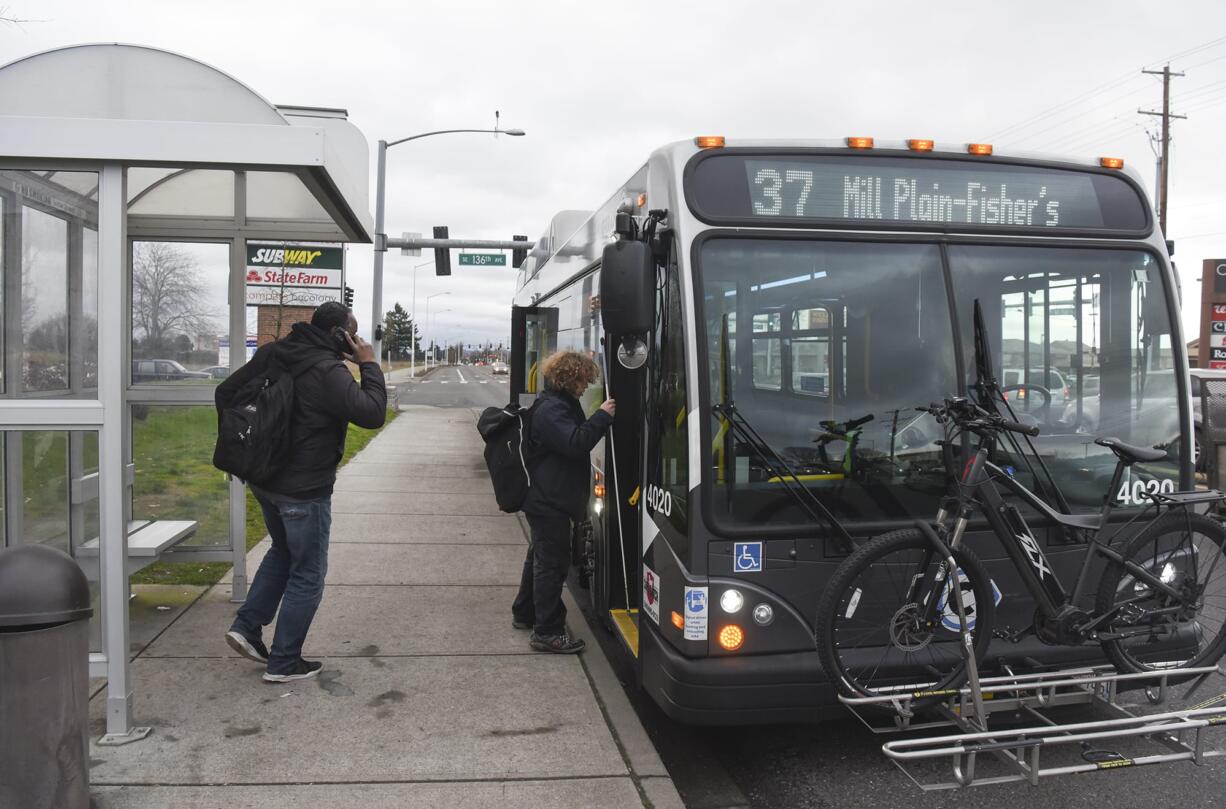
x=1185, y=551
x=875, y=632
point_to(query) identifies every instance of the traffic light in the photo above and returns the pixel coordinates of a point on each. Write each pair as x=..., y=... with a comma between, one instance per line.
x=442, y=255
x=348, y=297
x=518, y=256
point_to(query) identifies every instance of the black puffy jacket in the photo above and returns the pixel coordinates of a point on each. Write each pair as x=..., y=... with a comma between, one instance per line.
x=562, y=442
x=326, y=400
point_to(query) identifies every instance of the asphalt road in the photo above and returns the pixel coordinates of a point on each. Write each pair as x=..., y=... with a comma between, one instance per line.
x=453, y=386
x=839, y=765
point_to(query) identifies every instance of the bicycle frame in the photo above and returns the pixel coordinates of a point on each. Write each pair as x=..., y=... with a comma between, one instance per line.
x=979, y=486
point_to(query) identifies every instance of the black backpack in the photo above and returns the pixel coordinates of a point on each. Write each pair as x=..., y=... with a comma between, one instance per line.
x=253, y=427
x=509, y=455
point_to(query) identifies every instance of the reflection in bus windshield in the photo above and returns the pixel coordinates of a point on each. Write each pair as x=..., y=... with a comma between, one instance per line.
x=841, y=332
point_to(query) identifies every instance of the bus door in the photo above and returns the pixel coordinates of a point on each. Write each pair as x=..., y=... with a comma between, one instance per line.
x=534, y=336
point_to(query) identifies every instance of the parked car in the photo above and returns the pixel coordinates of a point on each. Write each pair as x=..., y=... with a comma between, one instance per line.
x=216, y=371
x=163, y=371
x=500, y=368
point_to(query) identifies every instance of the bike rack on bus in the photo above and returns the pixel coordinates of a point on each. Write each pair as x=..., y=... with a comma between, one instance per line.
x=1031, y=704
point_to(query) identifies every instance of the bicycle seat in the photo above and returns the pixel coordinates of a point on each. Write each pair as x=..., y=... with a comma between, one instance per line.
x=1130, y=453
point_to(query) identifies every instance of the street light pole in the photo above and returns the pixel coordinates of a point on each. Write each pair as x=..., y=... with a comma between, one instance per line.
x=376, y=298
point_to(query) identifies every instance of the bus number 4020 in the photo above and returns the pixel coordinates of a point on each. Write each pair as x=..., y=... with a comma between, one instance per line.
x=659, y=500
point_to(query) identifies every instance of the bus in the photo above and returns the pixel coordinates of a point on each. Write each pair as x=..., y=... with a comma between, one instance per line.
x=770, y=315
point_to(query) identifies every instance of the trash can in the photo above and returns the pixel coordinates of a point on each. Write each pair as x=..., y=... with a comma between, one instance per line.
x=44, y=680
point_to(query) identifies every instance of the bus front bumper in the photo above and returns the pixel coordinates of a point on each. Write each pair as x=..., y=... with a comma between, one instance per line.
x=750, y=690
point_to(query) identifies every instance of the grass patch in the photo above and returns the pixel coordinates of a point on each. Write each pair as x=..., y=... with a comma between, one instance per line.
x=175, y=479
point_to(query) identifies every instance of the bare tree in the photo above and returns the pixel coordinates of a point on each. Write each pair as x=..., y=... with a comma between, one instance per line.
x=168, y=296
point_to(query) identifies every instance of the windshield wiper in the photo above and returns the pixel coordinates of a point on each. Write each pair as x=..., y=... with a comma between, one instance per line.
x=779, y=468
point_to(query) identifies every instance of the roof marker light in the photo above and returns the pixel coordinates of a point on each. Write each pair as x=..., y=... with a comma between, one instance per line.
x=1111, y=162
x=709, y=141
x=920, y=145
x=860, y=143
x=979, y=148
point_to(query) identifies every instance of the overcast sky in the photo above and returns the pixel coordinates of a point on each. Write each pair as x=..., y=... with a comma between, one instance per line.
x=597, y=86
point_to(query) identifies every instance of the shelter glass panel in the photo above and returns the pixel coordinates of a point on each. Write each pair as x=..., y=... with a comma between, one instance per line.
x=180, y=312
x=190, y=192
x=49, y=251
x=172, y=448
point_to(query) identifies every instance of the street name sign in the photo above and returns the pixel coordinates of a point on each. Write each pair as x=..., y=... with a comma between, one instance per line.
x=483, y=260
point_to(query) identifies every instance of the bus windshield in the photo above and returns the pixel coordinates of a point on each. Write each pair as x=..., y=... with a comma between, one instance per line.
x=828, y=347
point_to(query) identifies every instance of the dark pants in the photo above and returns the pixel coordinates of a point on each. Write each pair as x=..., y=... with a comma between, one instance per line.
x=540, y=586
x=291, y=577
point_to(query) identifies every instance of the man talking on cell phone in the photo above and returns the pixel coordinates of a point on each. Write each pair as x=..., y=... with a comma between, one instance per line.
x=297, y=499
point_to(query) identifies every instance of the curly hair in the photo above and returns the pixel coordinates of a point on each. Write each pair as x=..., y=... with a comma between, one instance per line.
x=570, y=371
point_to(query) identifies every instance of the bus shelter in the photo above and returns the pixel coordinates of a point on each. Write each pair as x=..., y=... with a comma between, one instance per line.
x=131, y=182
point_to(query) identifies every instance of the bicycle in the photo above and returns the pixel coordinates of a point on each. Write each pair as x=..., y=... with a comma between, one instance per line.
x=891, y=622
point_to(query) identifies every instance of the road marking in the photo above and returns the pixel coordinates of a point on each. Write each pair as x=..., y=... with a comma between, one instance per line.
x=463, y=381
x=444, y=382
x=502, y=382
x=485, y=381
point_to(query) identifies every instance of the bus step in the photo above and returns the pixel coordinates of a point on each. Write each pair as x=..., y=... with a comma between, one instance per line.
x=1024, y=727
x=627, y=624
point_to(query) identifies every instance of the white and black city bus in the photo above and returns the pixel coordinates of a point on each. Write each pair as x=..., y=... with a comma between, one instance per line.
x=795, y=302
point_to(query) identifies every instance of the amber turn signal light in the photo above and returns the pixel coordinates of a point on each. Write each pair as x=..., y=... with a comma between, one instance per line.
x=709, y=141
x=1111, y=162
x=598, y=490
x=678, y=621
x=731, y=637
x=860, y=143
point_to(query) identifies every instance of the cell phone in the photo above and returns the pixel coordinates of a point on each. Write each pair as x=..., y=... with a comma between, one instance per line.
x=342, y=341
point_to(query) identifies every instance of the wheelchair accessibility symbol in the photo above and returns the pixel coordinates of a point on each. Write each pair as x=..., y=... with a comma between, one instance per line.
x=747, y=557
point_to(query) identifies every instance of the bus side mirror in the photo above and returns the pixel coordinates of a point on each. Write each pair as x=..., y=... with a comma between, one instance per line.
x=627, y=288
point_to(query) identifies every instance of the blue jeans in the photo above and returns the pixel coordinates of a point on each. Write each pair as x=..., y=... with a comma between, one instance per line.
x=291, y=577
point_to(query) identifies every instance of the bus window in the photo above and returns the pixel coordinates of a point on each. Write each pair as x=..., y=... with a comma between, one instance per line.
x=767, y=351
x=1082, y=351
x=841, y=331
x=810, y=351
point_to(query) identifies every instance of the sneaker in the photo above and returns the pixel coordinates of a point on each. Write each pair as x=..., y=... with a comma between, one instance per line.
x=518, y=624
x=250, y=648
x=302, y=670
x=557, y=644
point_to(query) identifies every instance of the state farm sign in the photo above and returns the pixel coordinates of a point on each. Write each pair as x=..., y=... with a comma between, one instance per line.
x=294, y=274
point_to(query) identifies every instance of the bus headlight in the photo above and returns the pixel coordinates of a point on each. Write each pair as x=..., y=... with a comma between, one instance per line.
x=731, y=601
x=763, y=615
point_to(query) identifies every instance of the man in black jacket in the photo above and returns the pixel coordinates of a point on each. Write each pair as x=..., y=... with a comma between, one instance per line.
x=562, y=439
x=297, y=500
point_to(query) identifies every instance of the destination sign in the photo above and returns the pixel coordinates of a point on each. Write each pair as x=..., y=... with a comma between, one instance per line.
x=914, y=192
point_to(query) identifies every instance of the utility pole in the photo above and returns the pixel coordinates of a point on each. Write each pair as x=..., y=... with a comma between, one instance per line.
x=1164, y=171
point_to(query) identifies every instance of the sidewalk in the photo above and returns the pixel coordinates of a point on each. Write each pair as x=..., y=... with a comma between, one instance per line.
x=428, y=697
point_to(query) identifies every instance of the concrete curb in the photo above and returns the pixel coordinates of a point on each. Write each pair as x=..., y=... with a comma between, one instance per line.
x=650, y=776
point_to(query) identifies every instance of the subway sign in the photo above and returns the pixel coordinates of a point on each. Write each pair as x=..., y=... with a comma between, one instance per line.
x=294, y=274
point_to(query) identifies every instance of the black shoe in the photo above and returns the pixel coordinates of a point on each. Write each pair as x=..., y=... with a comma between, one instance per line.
x=302, y=670
x=518, y=624
x=250, y=648
x=557, y=644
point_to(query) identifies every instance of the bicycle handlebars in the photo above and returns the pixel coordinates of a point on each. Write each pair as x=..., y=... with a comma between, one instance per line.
x=970, y=416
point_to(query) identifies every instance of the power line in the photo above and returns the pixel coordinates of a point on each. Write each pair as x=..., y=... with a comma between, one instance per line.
x=1104, y=87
